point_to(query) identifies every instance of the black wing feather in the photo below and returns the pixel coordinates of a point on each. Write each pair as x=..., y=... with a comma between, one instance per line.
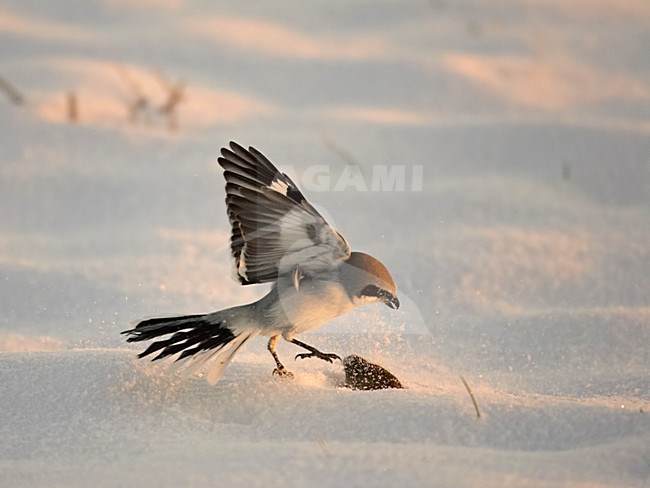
x=274, y=228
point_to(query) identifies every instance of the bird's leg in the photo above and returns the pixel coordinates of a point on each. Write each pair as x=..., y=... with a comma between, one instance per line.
x=313, y=352
x=280, y=370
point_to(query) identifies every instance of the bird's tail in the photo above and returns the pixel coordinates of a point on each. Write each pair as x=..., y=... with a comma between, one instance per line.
x=195, y=339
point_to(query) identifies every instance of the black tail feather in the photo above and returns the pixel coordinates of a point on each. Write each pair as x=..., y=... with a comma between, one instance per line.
x=187, y=331
x=217, y=340
x=152, y=328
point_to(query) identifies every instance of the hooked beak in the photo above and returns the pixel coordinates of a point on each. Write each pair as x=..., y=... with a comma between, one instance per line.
x=392, y=302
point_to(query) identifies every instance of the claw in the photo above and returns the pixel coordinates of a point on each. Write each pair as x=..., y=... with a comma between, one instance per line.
x=325, y=356
x=283, y=372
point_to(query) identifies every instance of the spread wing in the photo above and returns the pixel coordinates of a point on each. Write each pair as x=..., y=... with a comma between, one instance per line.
x=275, y=230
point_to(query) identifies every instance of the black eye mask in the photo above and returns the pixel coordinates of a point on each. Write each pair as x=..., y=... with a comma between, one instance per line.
x=375, y=291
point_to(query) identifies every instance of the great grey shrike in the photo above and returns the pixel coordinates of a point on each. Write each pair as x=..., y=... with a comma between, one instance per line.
x=279, y=238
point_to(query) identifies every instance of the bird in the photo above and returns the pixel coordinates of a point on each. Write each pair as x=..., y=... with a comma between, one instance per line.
x=277, y=237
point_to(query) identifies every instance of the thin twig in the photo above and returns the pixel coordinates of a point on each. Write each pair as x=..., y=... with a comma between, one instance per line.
x=11, y=91
x=471, y=395
x=170, y=107
x=175, y=95
x=140, y=102
x=72, y=107
x=342, y=153
x=322, y=445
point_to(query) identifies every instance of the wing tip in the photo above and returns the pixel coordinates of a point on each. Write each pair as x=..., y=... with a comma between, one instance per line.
x=232, y=147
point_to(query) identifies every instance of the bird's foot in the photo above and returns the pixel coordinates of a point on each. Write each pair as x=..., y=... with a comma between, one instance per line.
x=325, y=356
x=282, y=372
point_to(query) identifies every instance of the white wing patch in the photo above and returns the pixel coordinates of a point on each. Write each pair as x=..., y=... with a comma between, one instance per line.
x=241, y=265
x=279, y=186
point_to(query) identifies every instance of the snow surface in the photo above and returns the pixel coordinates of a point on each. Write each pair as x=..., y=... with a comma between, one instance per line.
x=523, y=264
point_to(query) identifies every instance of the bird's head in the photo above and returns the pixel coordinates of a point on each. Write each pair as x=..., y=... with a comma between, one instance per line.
x=367, y=280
